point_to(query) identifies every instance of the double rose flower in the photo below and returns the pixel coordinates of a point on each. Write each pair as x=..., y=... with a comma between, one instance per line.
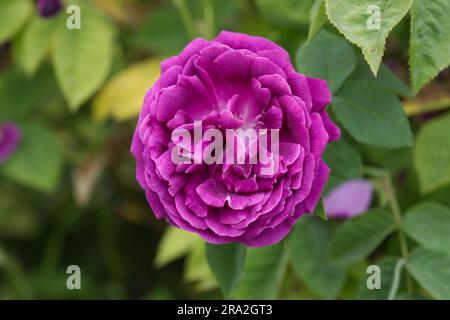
x=234, y=81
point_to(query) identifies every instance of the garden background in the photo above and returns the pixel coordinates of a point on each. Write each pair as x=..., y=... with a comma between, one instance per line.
x=68, y=194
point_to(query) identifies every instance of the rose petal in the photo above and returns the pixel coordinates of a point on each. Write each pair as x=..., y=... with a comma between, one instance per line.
x=349, y=199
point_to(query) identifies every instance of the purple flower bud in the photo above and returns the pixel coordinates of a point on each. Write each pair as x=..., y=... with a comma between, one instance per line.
x=48, y=8
x=349, y=199
x=9, y=138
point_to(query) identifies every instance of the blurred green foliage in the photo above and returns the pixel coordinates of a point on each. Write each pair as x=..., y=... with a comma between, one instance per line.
x=69, y=195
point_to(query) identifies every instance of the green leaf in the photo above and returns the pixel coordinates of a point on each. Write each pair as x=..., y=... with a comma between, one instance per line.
x=430, y=269
x=122, y=96
x=82, y=58
x=293, y=11
x=432, y=154
x=37, y=161
x=353, y=18
x=343, y=160
x=13, y=15
x=320, y=211
x=227, y=264
x=162, y=31
x=327, y=57
x=197, y=270
x=310, y=244
x=356, y=238
x=317, y=18
x=392, y=159
x=428, y=223
x=387, y=268
x=40, y=90
x=175, y=243
x=34, y=44
x=429, y=47
x=264, y=271
x=385, y=79
x=372, y=115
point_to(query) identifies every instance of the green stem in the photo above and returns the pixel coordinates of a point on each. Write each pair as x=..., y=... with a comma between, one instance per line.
x=396, y=281
x=413, y=108
x=393, y=203
x=186, y=17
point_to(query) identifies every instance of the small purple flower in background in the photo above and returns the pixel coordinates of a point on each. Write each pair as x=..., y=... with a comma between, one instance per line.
x=48, y=8
x=232, y=82
x=349, y=199
x=9, y=138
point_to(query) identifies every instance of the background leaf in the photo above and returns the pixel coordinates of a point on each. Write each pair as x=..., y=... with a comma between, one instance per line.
x=432, y=154
x=264, y=270
x=37, y=161
x=320, y=210
x=431, y=270
x=40, y=90
x=318, y=59
x=356, y=238
x=344, y=162
x=317, y=18
x=162, y=31
x=174, y=244
x=309, y=258
x=13, y=14
x=429, y=224
x=351, y=18
x=372, y=115
x=291, y=10
x=35, y=42
x=82, y=58
x=227, y=263
x=385, y=79
x=123, y=95
x=430, y=40
x=197, y=270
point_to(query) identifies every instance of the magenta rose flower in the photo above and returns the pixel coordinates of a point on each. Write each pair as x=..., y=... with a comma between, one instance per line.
x=9, y=139
x=234, y=82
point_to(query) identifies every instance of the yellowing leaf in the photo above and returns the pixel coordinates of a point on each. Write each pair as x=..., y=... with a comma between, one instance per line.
x=122, y=96
x=175, y=244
